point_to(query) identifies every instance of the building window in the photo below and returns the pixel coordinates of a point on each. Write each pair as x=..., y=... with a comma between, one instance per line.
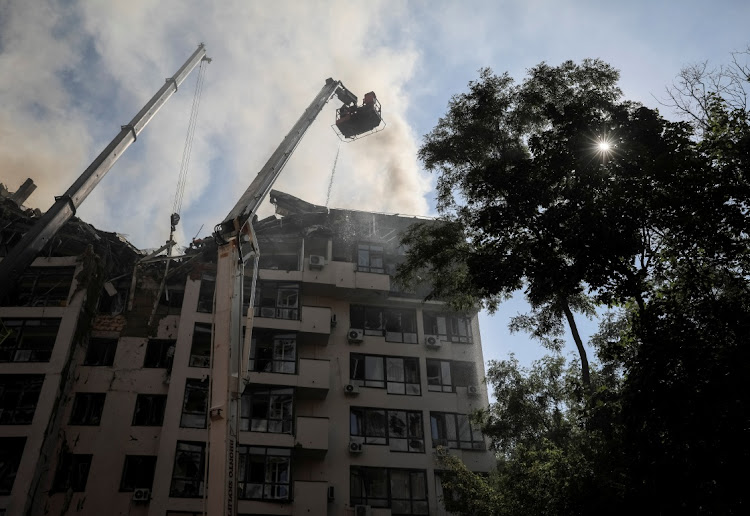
x=159, y=353
x=446, y=375
x=455, y=431
x=11, y=451
x=87, y=408
x=149, y=410
x=273, y=353
x=42, y=286
x=395, y=324
x=370, y=258
x=171, y=299
x=100, y=352
x=280, y=255
x=206, y=293
x=187, y=475
x=19, y=394
x=451, y=328
x=28, y=340
x=267, y=409
x=195, y=404
x=401, y=430
x=72, y=472
x=276, y=300
x=138, y=472
x=398, y=375
x=264, y=473
x=200, y=351
x=403, y=490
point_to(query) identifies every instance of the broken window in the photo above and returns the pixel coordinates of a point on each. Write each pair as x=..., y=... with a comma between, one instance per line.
x=171, y=299
x=138, y=472
x=448, y=327
x=264, y=473
x=280, y=255
x=267, y=409
x=149, y=410
x=273, y=353
x=72, y=472
x=455, y=431
x=398, y=375
x=159, y=353
x=195, y=404
x=187, y=475
x=114, y=296
x=11, y=451
x=206, y=292
x=28, y=340
x=276, y=300
x=42, y=286
x=87, y=408
x=200, y=351
x=19, y=394
x=395, y=324
x=401, y=430
x=100, y=352
x=446, y=375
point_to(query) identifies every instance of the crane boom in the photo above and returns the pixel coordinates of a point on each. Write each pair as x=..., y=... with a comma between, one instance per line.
x=230, y=356
x=65, y=206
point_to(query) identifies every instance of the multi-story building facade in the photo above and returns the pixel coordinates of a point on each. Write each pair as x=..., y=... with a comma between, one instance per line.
x=104, y=384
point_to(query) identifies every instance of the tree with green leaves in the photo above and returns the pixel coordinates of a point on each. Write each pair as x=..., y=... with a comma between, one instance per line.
x=558, y=187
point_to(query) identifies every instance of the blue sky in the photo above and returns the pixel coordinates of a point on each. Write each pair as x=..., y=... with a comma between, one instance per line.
x=72, y=72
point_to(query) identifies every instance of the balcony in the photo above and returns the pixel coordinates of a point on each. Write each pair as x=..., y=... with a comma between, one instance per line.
x=312, y=436
x=312, y=319
x=312, y=380
x=345, y=275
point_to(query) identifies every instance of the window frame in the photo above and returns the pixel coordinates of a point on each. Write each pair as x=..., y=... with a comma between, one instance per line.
x=92, y=413
x=34, y=288
x=202, y=359
x=244, y=471
x=205, y=303
x=370, y=364
x=475, y=441
x=140, y=479
x=192, y=386
x=66, y=478
x=106, y=356
x=162, y=355
x=281, y=309
x=367, y=252
x=274, y=393
x=162, y=402
x=194, y=450
x=275, y=342
x=451, y=322
x=25, y=388
x=388, y=322
x=11, y=453
x=389, y=438
x=30, y=352
x=452, y=374
x=357, y=485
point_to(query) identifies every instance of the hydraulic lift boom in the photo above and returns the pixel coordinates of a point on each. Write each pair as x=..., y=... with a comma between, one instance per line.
x=237, y=246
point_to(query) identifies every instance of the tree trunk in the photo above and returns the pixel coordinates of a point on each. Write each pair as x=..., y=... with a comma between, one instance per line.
x=585, y=376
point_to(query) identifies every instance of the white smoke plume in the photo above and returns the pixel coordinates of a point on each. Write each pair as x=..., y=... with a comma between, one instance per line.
x=72, y=72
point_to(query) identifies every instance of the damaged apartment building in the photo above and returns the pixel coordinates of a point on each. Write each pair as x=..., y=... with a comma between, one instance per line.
x=353, y=383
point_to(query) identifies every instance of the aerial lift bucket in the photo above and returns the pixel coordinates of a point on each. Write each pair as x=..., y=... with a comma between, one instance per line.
x=354, y=121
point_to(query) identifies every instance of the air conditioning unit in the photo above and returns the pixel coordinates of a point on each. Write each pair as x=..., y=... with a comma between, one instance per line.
x=362, y=510
x=355, y=336
x=142, y=495
x=268, y=312
x=355, y=448
x=316, y=261
x=432, y=341
x=472, y=390
x=351, y=389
